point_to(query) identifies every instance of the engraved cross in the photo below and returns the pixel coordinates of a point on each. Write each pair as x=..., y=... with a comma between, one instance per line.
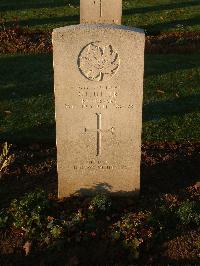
x=100, y=3
x=99, y=132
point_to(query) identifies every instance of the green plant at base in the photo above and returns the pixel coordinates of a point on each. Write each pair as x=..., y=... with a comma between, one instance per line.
x=28, y=213
x=3, y=219
x=132, y=230
x=189, y=213
x=197, y=244
x=5, y=157
x=133, y=247
x=56, y=231
x=100, y=202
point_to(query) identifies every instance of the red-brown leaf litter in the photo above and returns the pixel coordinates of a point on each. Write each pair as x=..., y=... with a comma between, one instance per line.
x=20, y=40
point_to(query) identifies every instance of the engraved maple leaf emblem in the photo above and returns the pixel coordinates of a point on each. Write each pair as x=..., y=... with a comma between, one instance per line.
x=98, y=62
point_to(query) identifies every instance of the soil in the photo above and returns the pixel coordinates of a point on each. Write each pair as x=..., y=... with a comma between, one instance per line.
x=20, y=40
x=170, y=169
x=173, y=42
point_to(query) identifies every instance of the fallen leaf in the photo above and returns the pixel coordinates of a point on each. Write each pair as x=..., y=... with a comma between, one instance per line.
x=7, y=112
x=27, y=247
x=197, y=185
x=161, y=92
x=50, y=218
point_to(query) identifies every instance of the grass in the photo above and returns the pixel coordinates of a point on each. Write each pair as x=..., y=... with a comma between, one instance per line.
x=171, y=111
x=27, y=107
x=171, y=91
x=154, y=16
x=171, y=98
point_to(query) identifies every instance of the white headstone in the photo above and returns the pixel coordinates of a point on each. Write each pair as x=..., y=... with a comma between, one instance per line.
x=101, y=11
x=98, y=72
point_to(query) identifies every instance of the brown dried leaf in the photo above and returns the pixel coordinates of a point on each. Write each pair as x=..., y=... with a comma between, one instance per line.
x=27, y=247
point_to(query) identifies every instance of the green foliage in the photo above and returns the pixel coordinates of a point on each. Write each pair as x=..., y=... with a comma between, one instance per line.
x=144, y=229
x=164, y=217
x=28, y=213
x=197, y=245
x=132, y=230
x=77, y=218
x=133, y=246
x=189, y=213
x=5, y=157
x=56, y=231
x=100, y=203
x=4, y=217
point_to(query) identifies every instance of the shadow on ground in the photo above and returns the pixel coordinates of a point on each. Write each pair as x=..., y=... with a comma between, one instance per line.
x=26, y=76
x=27, y=92
x=166, y=108
x=24, y=5
x=151, y=29
x=64, y=20
x=31, y=75
x=104, y=188
x=157, y=28
x=158, y=8
x=169, y=167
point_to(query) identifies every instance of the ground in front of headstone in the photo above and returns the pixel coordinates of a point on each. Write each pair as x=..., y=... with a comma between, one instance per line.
x=160, y=227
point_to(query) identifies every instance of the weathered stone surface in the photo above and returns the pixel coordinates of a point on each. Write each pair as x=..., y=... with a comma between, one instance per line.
x=101, y=11
x=98, y=94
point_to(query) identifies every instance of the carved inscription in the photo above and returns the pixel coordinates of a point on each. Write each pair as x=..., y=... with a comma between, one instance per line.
x=98, y=165
x=99, y=97
x=99, y=132
x=100, y=8
x=98, y=61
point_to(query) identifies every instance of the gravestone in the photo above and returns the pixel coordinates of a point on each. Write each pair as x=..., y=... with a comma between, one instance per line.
x=98, y=76
x=101, y=11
